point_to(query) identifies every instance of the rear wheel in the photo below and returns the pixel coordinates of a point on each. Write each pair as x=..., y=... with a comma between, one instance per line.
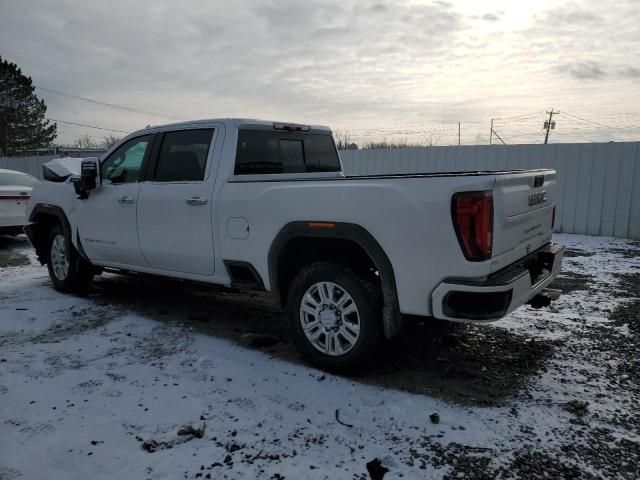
x=335, y=316
x=68, y=271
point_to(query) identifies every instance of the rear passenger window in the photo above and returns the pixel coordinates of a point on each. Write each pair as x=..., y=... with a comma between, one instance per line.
x=265, y=152
x=183, y=156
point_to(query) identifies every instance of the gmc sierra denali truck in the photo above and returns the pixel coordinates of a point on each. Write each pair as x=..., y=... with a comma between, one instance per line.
x=264, y=205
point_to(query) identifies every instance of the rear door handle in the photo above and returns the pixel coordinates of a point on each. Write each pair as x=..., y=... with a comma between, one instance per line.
x=195, y=201
x=125, y=199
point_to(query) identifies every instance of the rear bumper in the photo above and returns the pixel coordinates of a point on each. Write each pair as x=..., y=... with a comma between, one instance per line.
x=500, y=293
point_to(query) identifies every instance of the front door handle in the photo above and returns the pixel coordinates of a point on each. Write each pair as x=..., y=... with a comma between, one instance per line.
x=125, y=199
x=195, y=201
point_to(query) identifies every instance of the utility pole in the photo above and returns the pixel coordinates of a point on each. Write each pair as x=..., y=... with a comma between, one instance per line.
x=499, y=137
x=458, y=133
x=548, y=125
x=491, y=132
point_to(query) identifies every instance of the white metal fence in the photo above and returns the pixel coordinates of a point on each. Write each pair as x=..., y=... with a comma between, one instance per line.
x=30, y=165
x=33, y=165
x=598, y=183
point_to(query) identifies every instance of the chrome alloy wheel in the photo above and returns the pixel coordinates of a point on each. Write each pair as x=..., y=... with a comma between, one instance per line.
x=59, y=259
x=330, y=318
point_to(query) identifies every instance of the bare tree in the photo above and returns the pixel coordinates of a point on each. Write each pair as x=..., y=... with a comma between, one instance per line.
x=343, y=140
x=85, y=141
x=433, y=141
x=392, y=144
x=109, y=141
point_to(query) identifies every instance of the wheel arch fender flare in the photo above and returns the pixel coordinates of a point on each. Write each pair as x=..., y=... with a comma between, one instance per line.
x=37, y=236
x=391, y=317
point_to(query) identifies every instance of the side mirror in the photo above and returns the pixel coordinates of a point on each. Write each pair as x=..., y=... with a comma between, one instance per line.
x=88, y=175
x=88, y=178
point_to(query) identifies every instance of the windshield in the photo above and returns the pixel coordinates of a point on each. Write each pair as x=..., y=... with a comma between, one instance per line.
x=17, y=179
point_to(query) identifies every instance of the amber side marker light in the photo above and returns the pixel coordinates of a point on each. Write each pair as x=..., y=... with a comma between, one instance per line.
x=321, y=225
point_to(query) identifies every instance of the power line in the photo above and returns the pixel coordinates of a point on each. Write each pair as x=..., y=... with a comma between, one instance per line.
x=77, y=134
x=619, y=126
x=87, y=126
x=585, y=120
x=518, y=116
x=106, y=104
x=406, y=131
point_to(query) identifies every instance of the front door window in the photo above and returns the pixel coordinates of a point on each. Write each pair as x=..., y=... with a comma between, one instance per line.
x=125, y=164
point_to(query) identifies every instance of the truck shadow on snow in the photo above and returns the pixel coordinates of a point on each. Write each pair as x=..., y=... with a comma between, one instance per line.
x=469, y=364
x=9, y=257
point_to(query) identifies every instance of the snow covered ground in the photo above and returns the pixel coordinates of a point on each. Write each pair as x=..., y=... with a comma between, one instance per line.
x=98, y=387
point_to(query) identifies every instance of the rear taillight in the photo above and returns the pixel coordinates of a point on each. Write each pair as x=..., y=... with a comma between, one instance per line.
x=472, y=214
x=553, y=218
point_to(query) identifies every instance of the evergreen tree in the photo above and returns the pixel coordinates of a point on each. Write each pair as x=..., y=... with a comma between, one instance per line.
x=27, y=127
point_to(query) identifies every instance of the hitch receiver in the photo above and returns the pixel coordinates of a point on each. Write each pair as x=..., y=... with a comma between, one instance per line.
x=544, y=298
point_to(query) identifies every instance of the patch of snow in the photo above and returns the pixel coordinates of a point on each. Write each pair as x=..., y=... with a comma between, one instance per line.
x=82, y=383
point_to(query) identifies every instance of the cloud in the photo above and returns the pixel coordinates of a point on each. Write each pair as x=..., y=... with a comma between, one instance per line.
x=594, y=71
x=379, y=7
x=347, y=63
x=569, y=15
x=262, y=53
x=583, y=70
x=629, y=72
x=492, y=17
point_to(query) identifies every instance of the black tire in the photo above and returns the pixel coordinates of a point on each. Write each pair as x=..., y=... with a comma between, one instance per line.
x=78, y=275
x=367, y=298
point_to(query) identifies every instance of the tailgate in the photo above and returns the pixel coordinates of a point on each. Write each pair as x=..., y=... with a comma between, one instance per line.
x=523, y=211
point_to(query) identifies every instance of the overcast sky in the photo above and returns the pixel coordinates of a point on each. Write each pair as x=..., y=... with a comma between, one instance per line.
x=395, y=70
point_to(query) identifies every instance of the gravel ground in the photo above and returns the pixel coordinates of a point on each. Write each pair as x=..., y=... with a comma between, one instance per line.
x=147, y=378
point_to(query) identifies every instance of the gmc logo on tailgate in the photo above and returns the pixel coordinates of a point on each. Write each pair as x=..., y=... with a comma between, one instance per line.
x=535, y=198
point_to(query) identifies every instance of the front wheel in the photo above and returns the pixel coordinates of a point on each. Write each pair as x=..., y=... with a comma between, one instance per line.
x=335, y=316
x=68, y=271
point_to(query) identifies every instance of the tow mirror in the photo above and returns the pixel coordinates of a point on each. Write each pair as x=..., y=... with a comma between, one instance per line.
x=88, y=177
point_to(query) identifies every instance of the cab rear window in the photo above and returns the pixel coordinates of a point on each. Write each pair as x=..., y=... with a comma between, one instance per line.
x=267, y=152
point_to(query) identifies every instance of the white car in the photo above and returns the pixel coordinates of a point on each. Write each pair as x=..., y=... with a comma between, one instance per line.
x=265, y=205
x=15, y=191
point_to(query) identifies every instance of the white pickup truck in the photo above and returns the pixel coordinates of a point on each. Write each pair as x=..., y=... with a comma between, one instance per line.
x=264, y=205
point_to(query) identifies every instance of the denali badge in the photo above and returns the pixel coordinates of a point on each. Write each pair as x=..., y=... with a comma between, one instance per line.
x=535, y=198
